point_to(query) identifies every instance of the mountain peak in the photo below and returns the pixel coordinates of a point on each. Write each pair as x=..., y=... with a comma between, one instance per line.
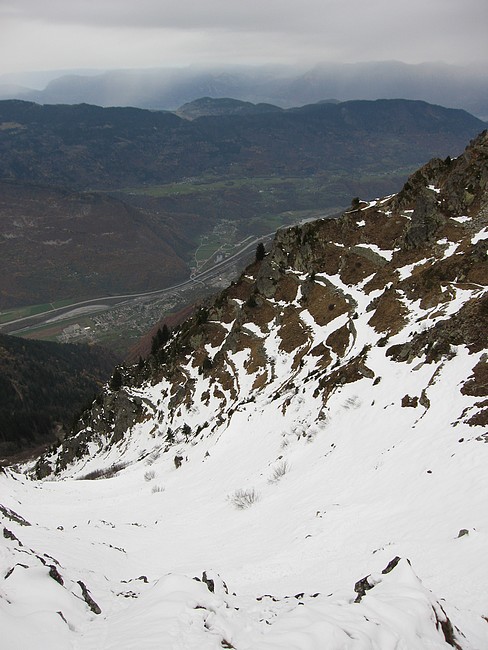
x=209, y=106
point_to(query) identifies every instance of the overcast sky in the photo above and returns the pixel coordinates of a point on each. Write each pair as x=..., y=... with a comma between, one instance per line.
x=63, y=34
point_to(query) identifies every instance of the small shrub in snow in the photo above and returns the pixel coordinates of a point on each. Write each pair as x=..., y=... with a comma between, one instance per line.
x=149, y=475
x=311, y=434
x=242, y=499
x=107, y=472
x=153, y=456
x=279, y=470
x=186, y=431
x=352, y=403
x=157, y=488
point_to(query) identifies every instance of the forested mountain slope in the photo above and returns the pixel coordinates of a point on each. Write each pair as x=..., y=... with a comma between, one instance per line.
x=43, y=388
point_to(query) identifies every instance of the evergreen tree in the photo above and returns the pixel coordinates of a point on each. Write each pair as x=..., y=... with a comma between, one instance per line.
x=260, y=252
x=160, y=339
x=165, y=334
x=116, y=380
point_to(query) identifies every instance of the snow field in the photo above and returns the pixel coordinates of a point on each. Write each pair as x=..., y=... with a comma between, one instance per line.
x=364, y=489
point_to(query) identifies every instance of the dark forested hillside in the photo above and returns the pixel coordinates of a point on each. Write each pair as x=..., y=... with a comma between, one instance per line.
x=60, y=244
x=90, y=147
x=43, y=386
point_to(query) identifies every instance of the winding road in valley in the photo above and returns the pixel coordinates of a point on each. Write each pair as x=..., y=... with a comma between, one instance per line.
x=105, y=303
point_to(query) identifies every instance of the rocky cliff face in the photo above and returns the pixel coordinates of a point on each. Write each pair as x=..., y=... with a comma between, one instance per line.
x=399, y=281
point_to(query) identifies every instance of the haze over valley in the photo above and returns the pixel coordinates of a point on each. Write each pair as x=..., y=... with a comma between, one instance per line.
x=284, y=86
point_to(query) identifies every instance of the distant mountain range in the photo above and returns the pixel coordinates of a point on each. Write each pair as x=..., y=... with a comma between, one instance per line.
x=168, y=88
x=88, y=147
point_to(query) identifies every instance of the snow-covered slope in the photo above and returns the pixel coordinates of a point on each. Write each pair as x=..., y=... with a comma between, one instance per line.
x=323, y=420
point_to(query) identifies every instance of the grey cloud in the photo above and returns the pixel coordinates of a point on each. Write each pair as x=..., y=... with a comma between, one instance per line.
x=184, y=14
x=269, y=15
x=149, y=32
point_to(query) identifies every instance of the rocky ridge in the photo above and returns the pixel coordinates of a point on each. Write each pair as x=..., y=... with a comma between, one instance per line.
x=404, y=277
